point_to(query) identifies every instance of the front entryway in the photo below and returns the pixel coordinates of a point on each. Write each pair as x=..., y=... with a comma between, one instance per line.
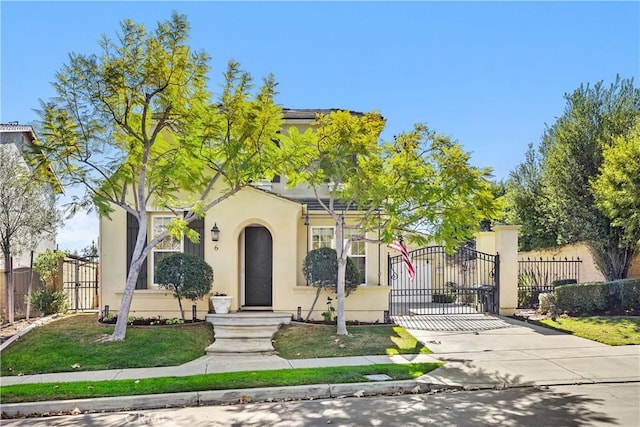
x=258, y=267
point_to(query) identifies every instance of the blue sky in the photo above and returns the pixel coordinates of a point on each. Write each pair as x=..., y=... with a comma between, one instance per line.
x=489, y=74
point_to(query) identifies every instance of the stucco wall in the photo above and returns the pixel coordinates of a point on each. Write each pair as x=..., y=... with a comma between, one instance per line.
x=285, y=221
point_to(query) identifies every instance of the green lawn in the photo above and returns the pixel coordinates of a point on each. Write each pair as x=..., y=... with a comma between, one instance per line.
x=76, y=343
x=611, y=330
x=221, y=381
x=305, y=341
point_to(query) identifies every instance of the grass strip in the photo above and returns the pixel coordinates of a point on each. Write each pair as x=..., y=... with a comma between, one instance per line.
x=220, y=381
x=610, y=330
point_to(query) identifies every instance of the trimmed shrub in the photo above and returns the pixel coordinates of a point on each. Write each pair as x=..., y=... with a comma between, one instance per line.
x=49, y=300
x=619, y=296
x=321, y=270
x=188, y=276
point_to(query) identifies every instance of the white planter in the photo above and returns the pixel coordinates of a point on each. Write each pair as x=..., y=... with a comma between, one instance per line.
x=221, y=304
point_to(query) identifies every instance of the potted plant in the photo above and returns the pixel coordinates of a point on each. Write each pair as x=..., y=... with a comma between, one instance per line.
x=221, y=303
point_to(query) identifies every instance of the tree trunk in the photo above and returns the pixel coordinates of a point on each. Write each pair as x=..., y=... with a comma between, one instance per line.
x=613, y=262
x=7, y=287
x=137, y=258
x=11, y=293
x=181, y=310
x=313, y=305
x=341, y=324
x=30, y=286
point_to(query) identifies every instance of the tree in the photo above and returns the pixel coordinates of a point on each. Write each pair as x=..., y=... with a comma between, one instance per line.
x=421, y=184
x=321, y=270
x=27, y=212
x=137, y=127
x=51, y=299
x=617, y=188
x=563, y=208
x=186, y=275
x=526, y=201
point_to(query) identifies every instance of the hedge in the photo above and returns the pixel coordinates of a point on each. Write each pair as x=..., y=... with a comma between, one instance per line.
x=619, y=296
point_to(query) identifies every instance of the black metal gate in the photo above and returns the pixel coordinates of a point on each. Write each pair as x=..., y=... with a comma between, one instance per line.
x=80, y=282
x=465, y=282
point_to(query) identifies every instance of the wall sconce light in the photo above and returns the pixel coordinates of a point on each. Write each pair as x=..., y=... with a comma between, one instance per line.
x=215, y=233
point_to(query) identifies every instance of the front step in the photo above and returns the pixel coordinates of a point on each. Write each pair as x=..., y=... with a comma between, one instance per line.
x=245, y=332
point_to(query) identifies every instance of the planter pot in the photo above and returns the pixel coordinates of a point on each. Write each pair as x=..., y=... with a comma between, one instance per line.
x=221, y=304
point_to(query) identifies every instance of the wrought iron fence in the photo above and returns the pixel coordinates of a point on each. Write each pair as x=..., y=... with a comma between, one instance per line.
x=537, y=276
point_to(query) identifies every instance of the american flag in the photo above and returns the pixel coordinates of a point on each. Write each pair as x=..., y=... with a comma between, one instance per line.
x=399, y=246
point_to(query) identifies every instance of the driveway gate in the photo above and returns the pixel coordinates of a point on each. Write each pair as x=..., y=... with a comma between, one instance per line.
x=80, y=282
x=461, y=283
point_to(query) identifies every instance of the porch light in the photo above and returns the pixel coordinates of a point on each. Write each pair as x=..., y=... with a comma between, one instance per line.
x=215, y=233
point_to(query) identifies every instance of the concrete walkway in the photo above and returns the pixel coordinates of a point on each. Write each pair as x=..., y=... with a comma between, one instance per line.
x=515, y=354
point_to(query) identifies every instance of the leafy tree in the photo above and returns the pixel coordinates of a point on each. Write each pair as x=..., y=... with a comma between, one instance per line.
x=561, y=204
x=137, y=127
x=321, y=270
x=51, y=299
x=527, y=202
x=420, y=184
x=47, y=265
x=27, y=212
x=186, y=275
x=617, y=187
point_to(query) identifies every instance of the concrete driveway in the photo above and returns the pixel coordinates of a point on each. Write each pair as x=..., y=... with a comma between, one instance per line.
x=520, y=354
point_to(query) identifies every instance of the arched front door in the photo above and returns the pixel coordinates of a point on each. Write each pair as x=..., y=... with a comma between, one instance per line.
x=258, y=267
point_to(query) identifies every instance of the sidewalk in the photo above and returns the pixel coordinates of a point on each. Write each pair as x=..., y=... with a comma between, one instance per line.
x=514, y=355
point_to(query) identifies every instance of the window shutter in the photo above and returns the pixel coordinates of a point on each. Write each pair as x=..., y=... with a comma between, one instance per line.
x=190, y=247
x=132, y=234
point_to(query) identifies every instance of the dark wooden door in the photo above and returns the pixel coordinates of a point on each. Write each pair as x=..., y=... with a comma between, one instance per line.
x=258, y=262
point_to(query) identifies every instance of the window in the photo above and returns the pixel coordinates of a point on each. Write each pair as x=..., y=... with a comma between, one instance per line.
x=358, y=253
x=167, y=246
x=324, y=237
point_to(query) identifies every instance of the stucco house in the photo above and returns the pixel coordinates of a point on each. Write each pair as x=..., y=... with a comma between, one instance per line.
x=265, y=232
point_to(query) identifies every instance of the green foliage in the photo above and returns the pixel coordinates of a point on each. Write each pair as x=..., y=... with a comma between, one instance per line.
x=48, y=300
x=47, y=265
x=421, y=183
x=329, y=315
x=617, y=187
x=188, y=276
x=618, y=296
x=551, y=194
x=320, y=268
x=136, y=122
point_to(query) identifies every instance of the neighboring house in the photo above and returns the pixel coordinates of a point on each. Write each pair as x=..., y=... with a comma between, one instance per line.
x=265, y=233
x=20, y=138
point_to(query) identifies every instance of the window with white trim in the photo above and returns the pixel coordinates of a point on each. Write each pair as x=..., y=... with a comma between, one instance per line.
x=324, y=237
x=167, y=246
x=357, y=252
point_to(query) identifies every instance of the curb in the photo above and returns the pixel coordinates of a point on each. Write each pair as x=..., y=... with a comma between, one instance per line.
x=215, y=397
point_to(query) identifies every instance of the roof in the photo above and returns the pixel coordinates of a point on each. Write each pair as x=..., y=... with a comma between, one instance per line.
x=15, y=127
x=310, y=113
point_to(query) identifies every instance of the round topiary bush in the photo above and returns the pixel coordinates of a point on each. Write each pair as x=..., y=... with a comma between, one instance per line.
x=188, y=276
x=321, y=270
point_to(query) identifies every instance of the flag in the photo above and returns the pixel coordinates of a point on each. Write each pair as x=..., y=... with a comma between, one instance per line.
x=399, y=246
